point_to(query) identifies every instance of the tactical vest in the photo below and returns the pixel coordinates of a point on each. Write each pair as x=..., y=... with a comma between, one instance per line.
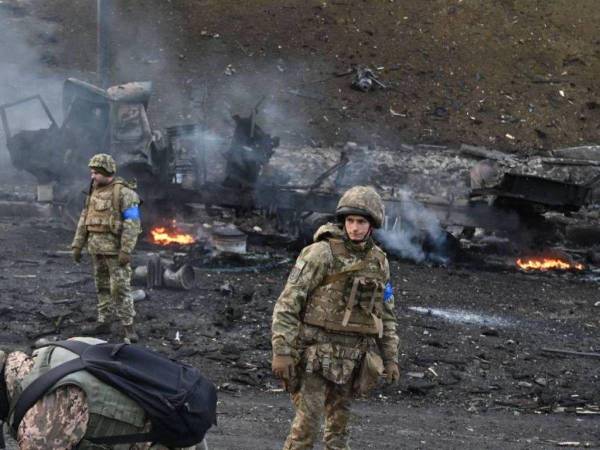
x=111, y=412
x=103, y=209
x=350, y=298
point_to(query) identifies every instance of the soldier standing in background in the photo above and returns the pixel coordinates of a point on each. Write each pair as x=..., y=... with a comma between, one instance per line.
x=334, y=327
x=109, y=225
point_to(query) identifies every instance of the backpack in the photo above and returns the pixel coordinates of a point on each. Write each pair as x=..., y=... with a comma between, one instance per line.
x=179, y=402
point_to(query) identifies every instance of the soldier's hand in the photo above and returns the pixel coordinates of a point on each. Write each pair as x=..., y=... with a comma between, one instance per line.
x=392, y=372
x=124, y=258
x=76, y=254
x=283, y=367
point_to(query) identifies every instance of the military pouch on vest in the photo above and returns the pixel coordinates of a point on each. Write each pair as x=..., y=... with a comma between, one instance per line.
x=371, y=368
x=115, y=224
x=335, y=363
x=105, y=213
x=365, y=293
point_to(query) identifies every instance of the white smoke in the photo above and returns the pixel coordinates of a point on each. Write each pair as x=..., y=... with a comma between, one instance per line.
x=26, y=48
x=416, y=235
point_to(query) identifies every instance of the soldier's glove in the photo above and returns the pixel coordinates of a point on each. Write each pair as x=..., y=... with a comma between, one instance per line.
x=124, y=258
x=283, y=367
x=392, y=372
x=76, y=254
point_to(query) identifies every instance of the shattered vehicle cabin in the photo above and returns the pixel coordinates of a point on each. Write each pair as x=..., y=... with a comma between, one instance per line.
x=95, y=120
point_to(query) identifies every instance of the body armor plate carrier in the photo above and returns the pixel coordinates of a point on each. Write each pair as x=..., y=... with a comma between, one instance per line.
x=350, y=298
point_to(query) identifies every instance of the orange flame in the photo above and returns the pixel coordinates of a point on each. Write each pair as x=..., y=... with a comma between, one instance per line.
x=162, y=236
x=544, y=264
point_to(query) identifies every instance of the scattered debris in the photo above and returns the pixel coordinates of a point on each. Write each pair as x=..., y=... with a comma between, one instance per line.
x=226, y=289
x=138, y=295
x=571, y=353
x=365, y=80
x=229, y=70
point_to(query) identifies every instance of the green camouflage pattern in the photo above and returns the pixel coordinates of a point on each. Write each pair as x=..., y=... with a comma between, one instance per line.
x=362, y=200
x=56, y=421
x=113, y=288
x=327, y=361
x=60, y=419
x=109, y=243
x=316, y=395
x=113, y=282
x=103, y=161
x=314, y=263
x=363, y=271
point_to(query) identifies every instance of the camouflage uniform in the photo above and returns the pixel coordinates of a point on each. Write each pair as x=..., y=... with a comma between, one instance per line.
x=109, y=228
x=330, y=315
x=60, y=419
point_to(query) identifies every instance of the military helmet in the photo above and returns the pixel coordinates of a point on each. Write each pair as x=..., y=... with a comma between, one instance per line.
x=105, y=162
x=362, y=201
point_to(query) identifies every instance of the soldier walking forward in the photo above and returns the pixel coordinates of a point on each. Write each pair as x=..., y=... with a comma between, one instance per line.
x=334, y=327
x=109, y=225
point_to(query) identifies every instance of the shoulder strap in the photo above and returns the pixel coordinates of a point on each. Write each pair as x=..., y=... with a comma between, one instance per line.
x=116, y=197
x=379, y=254
x=339, y=249
x=40, y=386
x=77, y=347
x=344, y=273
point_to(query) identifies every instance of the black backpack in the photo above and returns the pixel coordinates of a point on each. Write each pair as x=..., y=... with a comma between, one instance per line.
x=179, y=402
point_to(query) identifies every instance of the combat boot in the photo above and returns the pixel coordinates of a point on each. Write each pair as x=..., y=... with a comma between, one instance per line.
x=97, y=328
x=131, y=337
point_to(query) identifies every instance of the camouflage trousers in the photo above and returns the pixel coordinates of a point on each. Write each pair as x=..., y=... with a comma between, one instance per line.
x=113, y=286
x=315, y=396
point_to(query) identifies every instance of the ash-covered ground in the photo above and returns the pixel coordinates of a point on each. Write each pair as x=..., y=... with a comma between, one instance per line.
x=474, y=373
x=515, y=76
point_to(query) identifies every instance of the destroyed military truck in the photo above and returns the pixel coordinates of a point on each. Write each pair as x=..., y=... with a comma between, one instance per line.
x=176, y=168
x=168, y=169
x=95, y=121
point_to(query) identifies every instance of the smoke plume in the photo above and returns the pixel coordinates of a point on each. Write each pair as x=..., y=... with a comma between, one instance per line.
x=417, y=235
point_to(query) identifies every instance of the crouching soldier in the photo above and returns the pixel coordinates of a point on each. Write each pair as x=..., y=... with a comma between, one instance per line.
x=82, y=411
x=334, y=328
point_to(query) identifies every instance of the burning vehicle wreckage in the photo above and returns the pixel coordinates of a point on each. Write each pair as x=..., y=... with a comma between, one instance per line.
x=437, y=199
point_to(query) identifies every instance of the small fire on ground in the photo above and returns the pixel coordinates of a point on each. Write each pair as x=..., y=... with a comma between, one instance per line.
x=170, y=235
x=545, y=263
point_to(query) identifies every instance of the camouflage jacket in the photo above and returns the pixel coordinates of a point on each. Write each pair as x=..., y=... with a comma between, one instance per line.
x=124, y=228
x=312, y=267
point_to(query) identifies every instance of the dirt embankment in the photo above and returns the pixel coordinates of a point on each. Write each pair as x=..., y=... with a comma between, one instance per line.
x=513, y=75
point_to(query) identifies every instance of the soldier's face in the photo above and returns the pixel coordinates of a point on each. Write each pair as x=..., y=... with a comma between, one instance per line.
x=357, y=228
x=99, y=179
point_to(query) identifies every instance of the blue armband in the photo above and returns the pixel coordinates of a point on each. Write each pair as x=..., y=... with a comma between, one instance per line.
x=388, y=292
x=132, y=213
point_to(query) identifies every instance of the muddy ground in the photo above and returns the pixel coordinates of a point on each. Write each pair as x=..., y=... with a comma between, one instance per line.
x=512, y=75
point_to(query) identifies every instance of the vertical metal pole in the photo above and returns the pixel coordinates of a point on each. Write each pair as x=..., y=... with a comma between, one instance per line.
x=103, y=43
